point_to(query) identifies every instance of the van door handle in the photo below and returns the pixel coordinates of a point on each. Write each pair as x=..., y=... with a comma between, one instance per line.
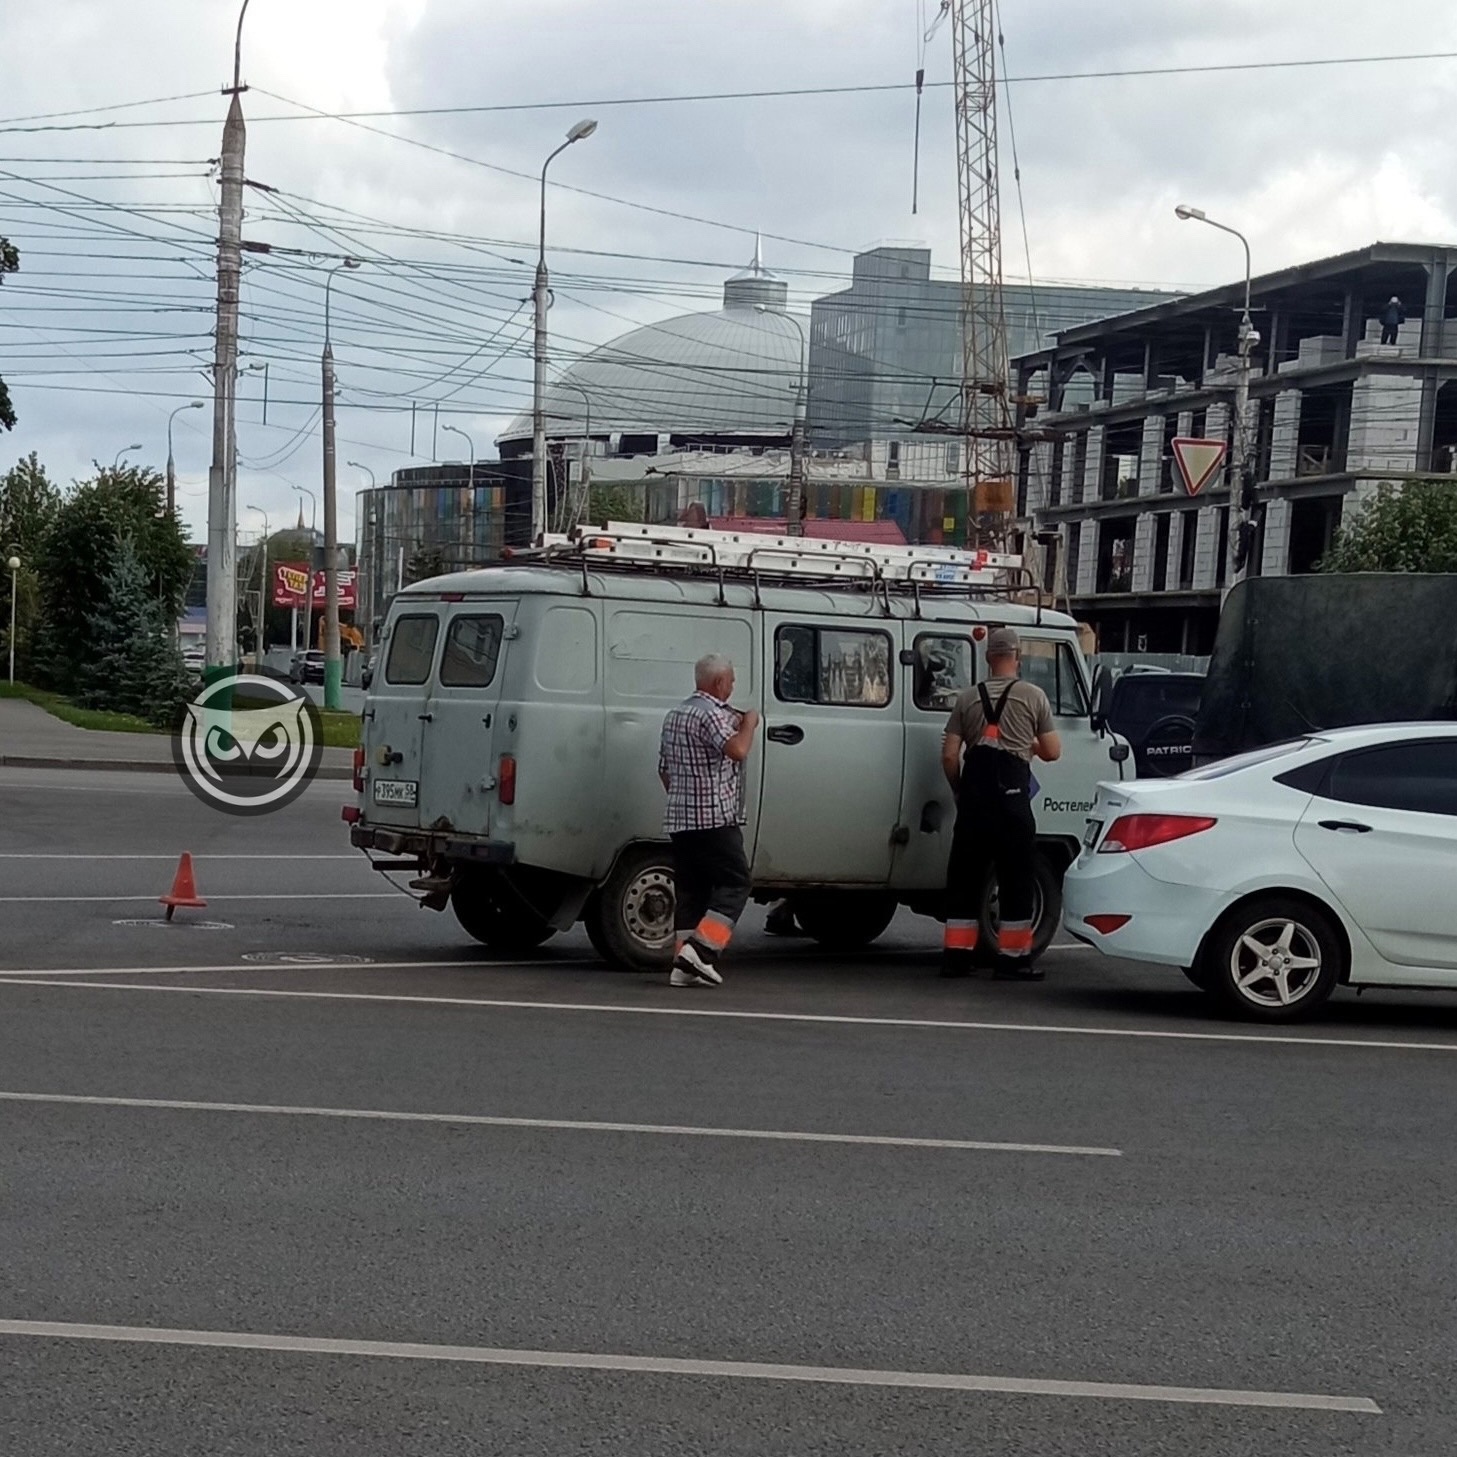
x=788, y=733
x=1360, y=829
x=427, y=718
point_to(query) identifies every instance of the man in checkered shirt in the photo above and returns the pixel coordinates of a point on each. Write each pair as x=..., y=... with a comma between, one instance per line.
x=701, y=764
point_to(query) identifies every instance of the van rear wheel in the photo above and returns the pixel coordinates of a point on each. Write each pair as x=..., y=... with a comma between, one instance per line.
x=1046, y=911
x=496, y=916
x=630, y=918
x=843, y=920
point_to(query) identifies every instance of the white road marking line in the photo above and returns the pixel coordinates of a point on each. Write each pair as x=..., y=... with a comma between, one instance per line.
x=169, y=857
x=679, y=1366
x=312, y=895
x=256, y=968
x=924, y=1023
x=567, y=1125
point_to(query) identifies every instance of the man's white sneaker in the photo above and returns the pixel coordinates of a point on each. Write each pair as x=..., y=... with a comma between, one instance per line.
x=693, y=965
x=681, y=978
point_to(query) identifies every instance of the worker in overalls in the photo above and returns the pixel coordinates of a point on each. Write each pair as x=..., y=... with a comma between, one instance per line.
x=995, y=731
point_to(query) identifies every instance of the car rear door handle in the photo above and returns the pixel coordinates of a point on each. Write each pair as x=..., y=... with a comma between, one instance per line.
x=1360, y=829
x=788, y=733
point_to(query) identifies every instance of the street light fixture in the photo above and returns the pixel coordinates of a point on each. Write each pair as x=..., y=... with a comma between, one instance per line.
x=794, y=505
x=313, y=511
x=358, y=465
x=171, y=469
x=470, y=472
x=1241, y=489
x=579, y=132
x=13, y=566
x=116, y=464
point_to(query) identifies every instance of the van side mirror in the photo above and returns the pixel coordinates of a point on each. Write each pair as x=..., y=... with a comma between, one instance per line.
x=1102, y=687
x=1118, y=753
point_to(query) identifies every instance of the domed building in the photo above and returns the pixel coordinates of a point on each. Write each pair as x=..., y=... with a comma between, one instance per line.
x=725, y=378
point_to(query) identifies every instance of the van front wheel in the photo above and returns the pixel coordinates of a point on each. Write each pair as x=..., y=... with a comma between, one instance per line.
x=630, y=918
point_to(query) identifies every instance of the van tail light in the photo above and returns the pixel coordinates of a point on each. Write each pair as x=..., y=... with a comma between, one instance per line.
x=1143, y=832
x=506, y=779
x=359, y=770
x=351, y=814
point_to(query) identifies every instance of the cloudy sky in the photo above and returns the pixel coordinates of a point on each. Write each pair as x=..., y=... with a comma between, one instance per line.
x=107, y=327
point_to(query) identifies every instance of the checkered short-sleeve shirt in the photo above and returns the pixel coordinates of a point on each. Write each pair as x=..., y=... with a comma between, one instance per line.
x=705, y=786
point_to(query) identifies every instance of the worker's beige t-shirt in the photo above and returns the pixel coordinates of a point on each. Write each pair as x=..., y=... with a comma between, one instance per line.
x=1026, y=717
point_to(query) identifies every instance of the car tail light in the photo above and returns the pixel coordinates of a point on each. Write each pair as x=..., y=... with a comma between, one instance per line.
x=351, y=814
x=359, y=770
x=506, y=779
x=1142, y=832
x=1106, y=925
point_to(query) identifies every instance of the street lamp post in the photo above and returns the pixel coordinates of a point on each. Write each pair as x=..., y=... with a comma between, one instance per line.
x=262, y=590
x=794, y=506
x=172, y=469
x=578, y=133
x=333, y=663
x=470, y=470
x=14, y=568
x=116, y=464
x=359, y=466
x=1241, y=483
x=309, y=590
x=574, y=507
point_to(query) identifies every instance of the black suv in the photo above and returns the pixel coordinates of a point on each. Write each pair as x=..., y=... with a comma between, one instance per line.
x=1155, y=712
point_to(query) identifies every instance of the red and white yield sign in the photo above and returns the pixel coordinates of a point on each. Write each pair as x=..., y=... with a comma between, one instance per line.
x=1198, y=460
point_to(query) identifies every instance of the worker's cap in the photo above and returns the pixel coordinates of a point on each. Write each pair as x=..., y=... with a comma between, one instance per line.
x=1002, y=641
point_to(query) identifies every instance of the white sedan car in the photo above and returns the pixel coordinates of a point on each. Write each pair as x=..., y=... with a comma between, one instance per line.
x=1275, y=876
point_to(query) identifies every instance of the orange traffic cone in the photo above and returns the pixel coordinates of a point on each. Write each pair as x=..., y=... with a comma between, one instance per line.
x=184, y=888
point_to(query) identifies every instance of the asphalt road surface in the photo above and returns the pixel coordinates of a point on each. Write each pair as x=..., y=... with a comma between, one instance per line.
x=259, y=1196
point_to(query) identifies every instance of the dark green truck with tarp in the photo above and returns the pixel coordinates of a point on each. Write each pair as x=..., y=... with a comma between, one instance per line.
x=1294, y=655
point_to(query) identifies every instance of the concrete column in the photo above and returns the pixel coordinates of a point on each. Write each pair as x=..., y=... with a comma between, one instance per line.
x=1385, y=424
x=1093, y=470
x=1206, y=552
x=1285, y=438
x=1150, y=456
x=1039, y=475
x=1276, y=557
x=1087, y=558
x=1143, y=553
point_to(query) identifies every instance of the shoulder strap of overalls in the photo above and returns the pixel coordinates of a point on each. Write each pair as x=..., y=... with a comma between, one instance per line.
x=993, y=731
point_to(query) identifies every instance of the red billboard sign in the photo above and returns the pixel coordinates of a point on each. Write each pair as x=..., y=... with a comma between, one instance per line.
x=291, y=582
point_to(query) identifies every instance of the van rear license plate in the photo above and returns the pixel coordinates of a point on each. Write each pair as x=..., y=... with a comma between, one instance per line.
x=395, y=791
x=1090, y=835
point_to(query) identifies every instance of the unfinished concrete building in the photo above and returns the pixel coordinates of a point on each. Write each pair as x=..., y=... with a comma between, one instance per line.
x=1333, y=413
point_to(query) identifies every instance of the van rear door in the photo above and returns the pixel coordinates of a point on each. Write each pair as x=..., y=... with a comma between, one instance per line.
x=396, y=715
x=458, y=767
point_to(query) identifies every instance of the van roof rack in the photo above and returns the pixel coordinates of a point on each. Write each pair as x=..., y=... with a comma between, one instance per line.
x=757, y=555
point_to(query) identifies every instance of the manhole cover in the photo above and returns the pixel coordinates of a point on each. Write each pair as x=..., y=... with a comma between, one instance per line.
x=179, y=925
x=303, y=958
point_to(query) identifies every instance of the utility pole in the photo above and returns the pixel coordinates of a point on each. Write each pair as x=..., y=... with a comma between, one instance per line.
x=539, y=293
x=333, y=662
x=1241, y=471
x=222, y=476
x=794, y=505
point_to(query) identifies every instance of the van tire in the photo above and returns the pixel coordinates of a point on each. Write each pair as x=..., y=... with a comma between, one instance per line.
x=636, y=897
x=512, y=926
x=843, y=920
x=1047, y=907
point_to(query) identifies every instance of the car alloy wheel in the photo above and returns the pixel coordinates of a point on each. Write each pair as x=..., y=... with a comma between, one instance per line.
x=1276, y=963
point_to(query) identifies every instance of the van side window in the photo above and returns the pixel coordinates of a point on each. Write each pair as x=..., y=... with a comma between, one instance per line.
x=412, y=649
x=944, y=668
x=843, y=666
x=471, y=648
x=1052, y=667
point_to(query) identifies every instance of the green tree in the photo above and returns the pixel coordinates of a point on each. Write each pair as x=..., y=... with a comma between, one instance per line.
x=80, y=551
x=28, y=503
x=1411, y=528
x=423, y=563
x=133, y=665
x=615, y=503
x=9, y=263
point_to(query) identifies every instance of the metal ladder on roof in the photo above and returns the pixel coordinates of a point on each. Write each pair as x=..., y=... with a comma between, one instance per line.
x=690, y=547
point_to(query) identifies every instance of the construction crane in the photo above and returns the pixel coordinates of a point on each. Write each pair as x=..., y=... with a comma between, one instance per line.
x=986, y=423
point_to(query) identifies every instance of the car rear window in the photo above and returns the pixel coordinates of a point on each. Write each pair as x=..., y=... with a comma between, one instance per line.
x=472, y=646
x=412, y=649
